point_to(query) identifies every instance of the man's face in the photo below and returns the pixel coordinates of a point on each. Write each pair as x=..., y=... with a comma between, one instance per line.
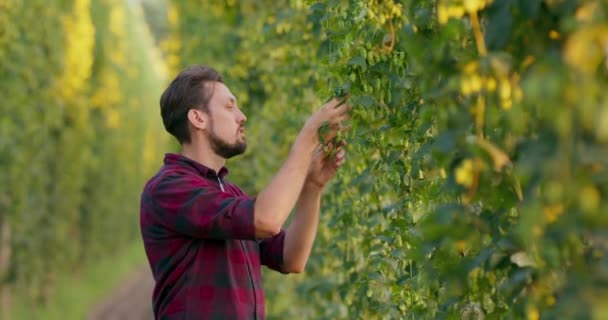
x=226, y=130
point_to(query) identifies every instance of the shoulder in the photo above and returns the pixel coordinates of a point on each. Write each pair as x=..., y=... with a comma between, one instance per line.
x=171, y=177
x=235, y=189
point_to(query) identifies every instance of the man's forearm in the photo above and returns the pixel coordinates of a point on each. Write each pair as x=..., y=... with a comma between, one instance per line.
x=300, y=234
x=276, y=201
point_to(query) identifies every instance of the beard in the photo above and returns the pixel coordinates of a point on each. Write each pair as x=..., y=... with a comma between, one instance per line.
x=223, y=148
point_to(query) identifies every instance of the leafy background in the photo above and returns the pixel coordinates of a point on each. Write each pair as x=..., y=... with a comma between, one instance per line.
x=78, y=136
x=476, y=177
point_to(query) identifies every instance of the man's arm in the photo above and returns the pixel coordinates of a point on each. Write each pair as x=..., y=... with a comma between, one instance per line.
x=300, y=235
x=189, y=205
x=275, y=202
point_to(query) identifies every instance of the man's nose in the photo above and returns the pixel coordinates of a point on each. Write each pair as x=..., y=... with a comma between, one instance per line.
x=242, y=117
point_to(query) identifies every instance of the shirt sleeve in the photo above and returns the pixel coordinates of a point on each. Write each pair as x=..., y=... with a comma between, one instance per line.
x=193, y=207
x=271, y=252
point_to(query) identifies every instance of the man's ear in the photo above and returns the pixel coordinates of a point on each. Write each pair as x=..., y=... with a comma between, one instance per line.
x=197, y=118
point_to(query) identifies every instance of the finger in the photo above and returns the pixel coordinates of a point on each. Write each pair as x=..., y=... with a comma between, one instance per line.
x=327, y=158
x=339, y=126
x=343, y=118
x=336, y=102
x=342, y=108
x=331, y=136
x=318, y=151
x=336, y=126
x=338, y=107
x=340, y=154
x=340, y=162
x=342, y=100
x=333, y=132
x=327, y=150
x=328, y=146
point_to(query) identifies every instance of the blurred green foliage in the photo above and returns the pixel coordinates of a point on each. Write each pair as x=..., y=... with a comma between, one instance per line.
x=477, y=174
x=476, y=179
x=79, y=134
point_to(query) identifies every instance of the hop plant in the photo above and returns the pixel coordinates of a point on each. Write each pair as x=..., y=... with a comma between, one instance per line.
x=340, y=92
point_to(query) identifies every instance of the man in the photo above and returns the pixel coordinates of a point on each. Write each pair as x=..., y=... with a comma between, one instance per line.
x=204, y=238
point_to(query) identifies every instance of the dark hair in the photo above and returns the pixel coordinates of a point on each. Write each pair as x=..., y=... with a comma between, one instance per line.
x=189, y=90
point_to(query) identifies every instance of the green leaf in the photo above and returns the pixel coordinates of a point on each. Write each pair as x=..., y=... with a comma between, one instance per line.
x=358, y=61
x=499, y=23
x=365, y=101
x=529, y=8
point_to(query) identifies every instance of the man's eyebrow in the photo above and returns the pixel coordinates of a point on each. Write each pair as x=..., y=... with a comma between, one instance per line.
x=232, y=99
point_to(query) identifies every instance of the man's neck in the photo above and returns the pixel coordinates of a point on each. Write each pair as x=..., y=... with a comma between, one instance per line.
x=204, y=155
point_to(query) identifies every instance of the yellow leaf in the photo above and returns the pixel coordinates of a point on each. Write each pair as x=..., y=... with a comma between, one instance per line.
x=585, y=12
x=491, y=84
x=589, y=199
x=465, y=86
x=584, y=49
x=79, y=45
x=464, y=173
x=552, y=212
x=506, y=104
x=442, y=14
x=456, y=11
x=470, y=67
x=474, y=5
x=505, y=89
x=172, y=15
x=475, y=83
x=532, y=314
x=461, y=245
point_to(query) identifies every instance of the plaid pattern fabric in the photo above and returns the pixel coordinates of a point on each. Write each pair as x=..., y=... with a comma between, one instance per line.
x=201, y=245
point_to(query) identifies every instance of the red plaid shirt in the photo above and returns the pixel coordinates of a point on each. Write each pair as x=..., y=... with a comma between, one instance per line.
x=201, y=245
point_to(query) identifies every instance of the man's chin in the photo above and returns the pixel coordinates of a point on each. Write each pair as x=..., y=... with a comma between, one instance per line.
x=234, y=151
x=242, y=149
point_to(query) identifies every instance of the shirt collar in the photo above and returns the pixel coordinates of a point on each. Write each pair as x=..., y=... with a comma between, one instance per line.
x=181, y=160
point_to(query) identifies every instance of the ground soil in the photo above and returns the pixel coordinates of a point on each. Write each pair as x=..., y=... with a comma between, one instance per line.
x=132, y=300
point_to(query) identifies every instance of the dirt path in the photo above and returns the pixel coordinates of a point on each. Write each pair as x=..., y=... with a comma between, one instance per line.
x=131, y=301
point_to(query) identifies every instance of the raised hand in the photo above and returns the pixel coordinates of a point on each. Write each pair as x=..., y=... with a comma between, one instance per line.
x=329, y=119
x=325, y=165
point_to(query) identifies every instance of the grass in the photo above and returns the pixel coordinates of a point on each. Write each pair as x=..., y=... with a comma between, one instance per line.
x=74, y=296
